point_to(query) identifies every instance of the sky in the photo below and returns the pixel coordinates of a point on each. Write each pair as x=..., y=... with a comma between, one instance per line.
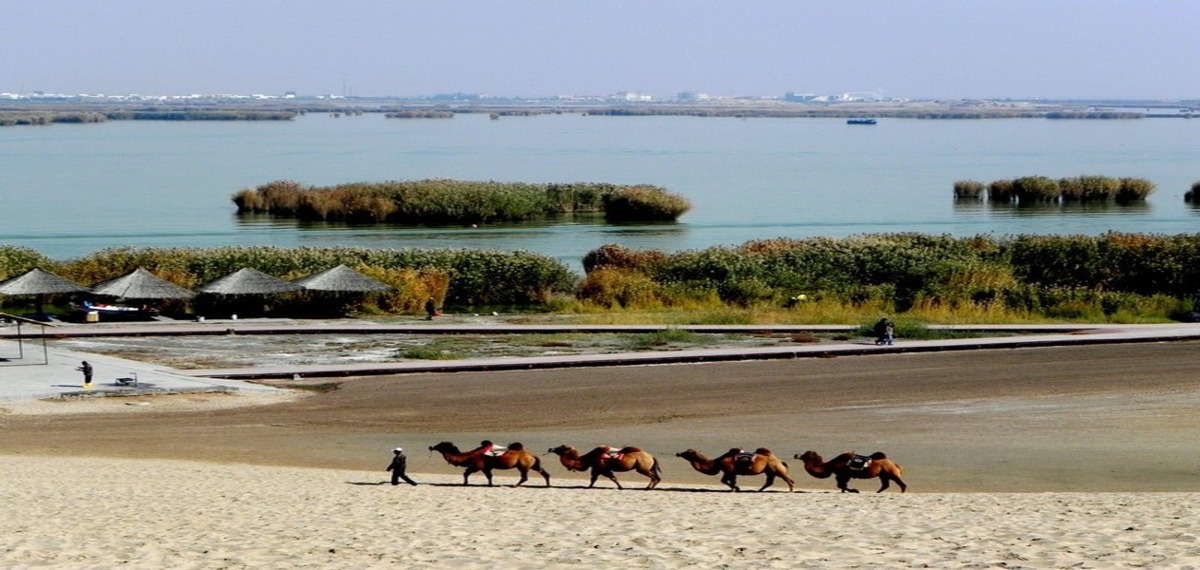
x=922, y=49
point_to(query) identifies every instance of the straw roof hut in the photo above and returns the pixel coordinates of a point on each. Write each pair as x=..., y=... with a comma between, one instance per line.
x=341, y=279
x=38, y=281
x=247, y=281
x=141, y=284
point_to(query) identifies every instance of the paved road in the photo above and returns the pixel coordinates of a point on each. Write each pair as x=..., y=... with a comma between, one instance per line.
x=32, y=368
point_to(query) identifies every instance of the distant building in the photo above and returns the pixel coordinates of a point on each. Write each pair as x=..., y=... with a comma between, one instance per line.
x=793, y=97
x=633, y=97
x=692, y=96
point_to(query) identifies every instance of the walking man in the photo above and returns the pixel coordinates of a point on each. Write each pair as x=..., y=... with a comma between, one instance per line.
x=399, y=464
x=87, y=374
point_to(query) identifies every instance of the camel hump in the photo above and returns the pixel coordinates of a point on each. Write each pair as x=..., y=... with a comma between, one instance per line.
x=628, y=450
x=516, y=446
x=878, y=455
x=763, y=451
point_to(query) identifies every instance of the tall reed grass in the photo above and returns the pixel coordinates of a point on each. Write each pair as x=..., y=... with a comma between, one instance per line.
x=443, y=201
x=968, y=190
x=1114, y=276
x=460, y=277
x=1042, y=189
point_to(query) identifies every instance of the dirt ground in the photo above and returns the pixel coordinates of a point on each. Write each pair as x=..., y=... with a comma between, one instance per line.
x=1100, y=418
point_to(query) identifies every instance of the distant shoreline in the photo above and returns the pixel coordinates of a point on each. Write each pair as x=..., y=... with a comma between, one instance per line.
x=46, y=113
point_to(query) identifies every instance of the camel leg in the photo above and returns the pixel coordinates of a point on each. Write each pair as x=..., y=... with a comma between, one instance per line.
x=595, y=475
x=653, y=478
x=884, y=483
x=545, y=474
x=731, y=480
x=770, y=480
x=887, y=478
x=842, y=480
x=488, y=473
x=524, y=476
x=791, y=482
x=467, y=474
x=613, y=477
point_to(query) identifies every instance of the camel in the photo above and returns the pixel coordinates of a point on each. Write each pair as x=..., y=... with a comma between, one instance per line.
x=479, y=459
x=843, y=471
x=604, y=461
x=737, y=462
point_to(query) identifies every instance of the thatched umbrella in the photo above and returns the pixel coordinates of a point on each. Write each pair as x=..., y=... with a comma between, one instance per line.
x=247, y=281
x=38, y=281
x=141, y=284
x=335, y=285
x=341, y=279
x=242, y=291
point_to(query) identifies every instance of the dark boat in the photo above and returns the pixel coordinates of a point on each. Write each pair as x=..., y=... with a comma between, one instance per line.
x=861, y=122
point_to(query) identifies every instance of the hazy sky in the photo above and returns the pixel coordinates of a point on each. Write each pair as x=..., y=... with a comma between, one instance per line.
x=898, y=48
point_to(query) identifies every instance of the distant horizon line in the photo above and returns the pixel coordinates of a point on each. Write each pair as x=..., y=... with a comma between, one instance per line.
x=629, y=97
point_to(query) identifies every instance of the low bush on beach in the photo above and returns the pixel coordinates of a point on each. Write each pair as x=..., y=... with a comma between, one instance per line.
x=444, y=201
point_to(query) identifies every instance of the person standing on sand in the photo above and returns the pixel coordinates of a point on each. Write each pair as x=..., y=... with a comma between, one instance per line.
x=87, y=374
x=399, y=464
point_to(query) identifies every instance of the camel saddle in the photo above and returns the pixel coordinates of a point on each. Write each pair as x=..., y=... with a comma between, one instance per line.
x=744, y=457
x=612, y=454
x=858, y=463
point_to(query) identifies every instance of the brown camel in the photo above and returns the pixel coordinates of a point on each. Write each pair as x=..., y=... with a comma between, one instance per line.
x=479, y=459
x=737, y=462
x=604, y=461
x=849, y=466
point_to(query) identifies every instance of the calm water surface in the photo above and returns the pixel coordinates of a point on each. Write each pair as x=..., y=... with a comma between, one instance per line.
x=67, y=190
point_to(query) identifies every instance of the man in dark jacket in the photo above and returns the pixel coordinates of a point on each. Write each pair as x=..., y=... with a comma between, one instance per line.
x=87, y=374
x=399, y=464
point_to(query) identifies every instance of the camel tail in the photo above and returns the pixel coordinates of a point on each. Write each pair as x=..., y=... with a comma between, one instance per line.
x=654, y=468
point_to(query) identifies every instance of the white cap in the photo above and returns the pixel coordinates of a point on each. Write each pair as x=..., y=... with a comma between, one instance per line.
x=398, y=449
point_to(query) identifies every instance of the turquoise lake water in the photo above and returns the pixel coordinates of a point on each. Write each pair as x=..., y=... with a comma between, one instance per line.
x=67, y=190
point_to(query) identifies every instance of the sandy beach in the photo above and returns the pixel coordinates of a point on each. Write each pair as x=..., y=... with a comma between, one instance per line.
x=1029, y=458
x=101, y=513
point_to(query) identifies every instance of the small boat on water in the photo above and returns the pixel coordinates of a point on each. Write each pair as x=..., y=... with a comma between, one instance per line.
x=861, y=122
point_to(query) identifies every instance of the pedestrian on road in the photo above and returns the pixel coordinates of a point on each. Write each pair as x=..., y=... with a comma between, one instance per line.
x=87, y=374
x=399, y=464
x=885, y=331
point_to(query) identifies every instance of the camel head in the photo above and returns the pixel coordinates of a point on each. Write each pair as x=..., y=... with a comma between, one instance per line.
x=690, y=455
x=444, y=447
x=809, y=456
x=562, y=450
